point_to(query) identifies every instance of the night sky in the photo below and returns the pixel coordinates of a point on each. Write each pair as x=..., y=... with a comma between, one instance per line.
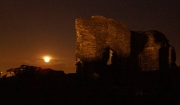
x=31, y=29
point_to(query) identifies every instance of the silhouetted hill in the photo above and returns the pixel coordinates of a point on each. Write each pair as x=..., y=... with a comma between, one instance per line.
x=69, y=89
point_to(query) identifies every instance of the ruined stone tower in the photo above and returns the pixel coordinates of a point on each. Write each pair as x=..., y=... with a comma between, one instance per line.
x=104, y=43
x=150, y=50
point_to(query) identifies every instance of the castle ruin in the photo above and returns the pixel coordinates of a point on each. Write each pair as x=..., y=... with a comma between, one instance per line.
x=104, y=44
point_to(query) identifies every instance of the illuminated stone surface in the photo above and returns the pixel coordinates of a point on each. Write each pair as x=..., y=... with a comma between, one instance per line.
x=96, y=33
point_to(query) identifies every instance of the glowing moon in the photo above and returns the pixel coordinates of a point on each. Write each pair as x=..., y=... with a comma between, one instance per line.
x=47, y=59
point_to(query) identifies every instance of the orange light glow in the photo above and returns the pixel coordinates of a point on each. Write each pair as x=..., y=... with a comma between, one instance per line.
x=47, y=59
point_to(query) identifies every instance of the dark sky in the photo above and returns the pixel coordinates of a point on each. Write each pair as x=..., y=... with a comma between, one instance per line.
x=30, y=29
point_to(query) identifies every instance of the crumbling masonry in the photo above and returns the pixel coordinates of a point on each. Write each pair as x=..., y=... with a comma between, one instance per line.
x=106, y=44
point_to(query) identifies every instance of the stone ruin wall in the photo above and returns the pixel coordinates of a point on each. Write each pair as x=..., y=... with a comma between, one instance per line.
x=145, y=51
x=156, y=54
x=96, y=33
x=149, y=56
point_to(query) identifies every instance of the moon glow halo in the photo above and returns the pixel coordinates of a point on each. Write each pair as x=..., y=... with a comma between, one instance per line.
x=47, y=59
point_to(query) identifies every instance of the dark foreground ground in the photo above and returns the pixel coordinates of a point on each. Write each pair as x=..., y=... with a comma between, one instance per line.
x=148, y=88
